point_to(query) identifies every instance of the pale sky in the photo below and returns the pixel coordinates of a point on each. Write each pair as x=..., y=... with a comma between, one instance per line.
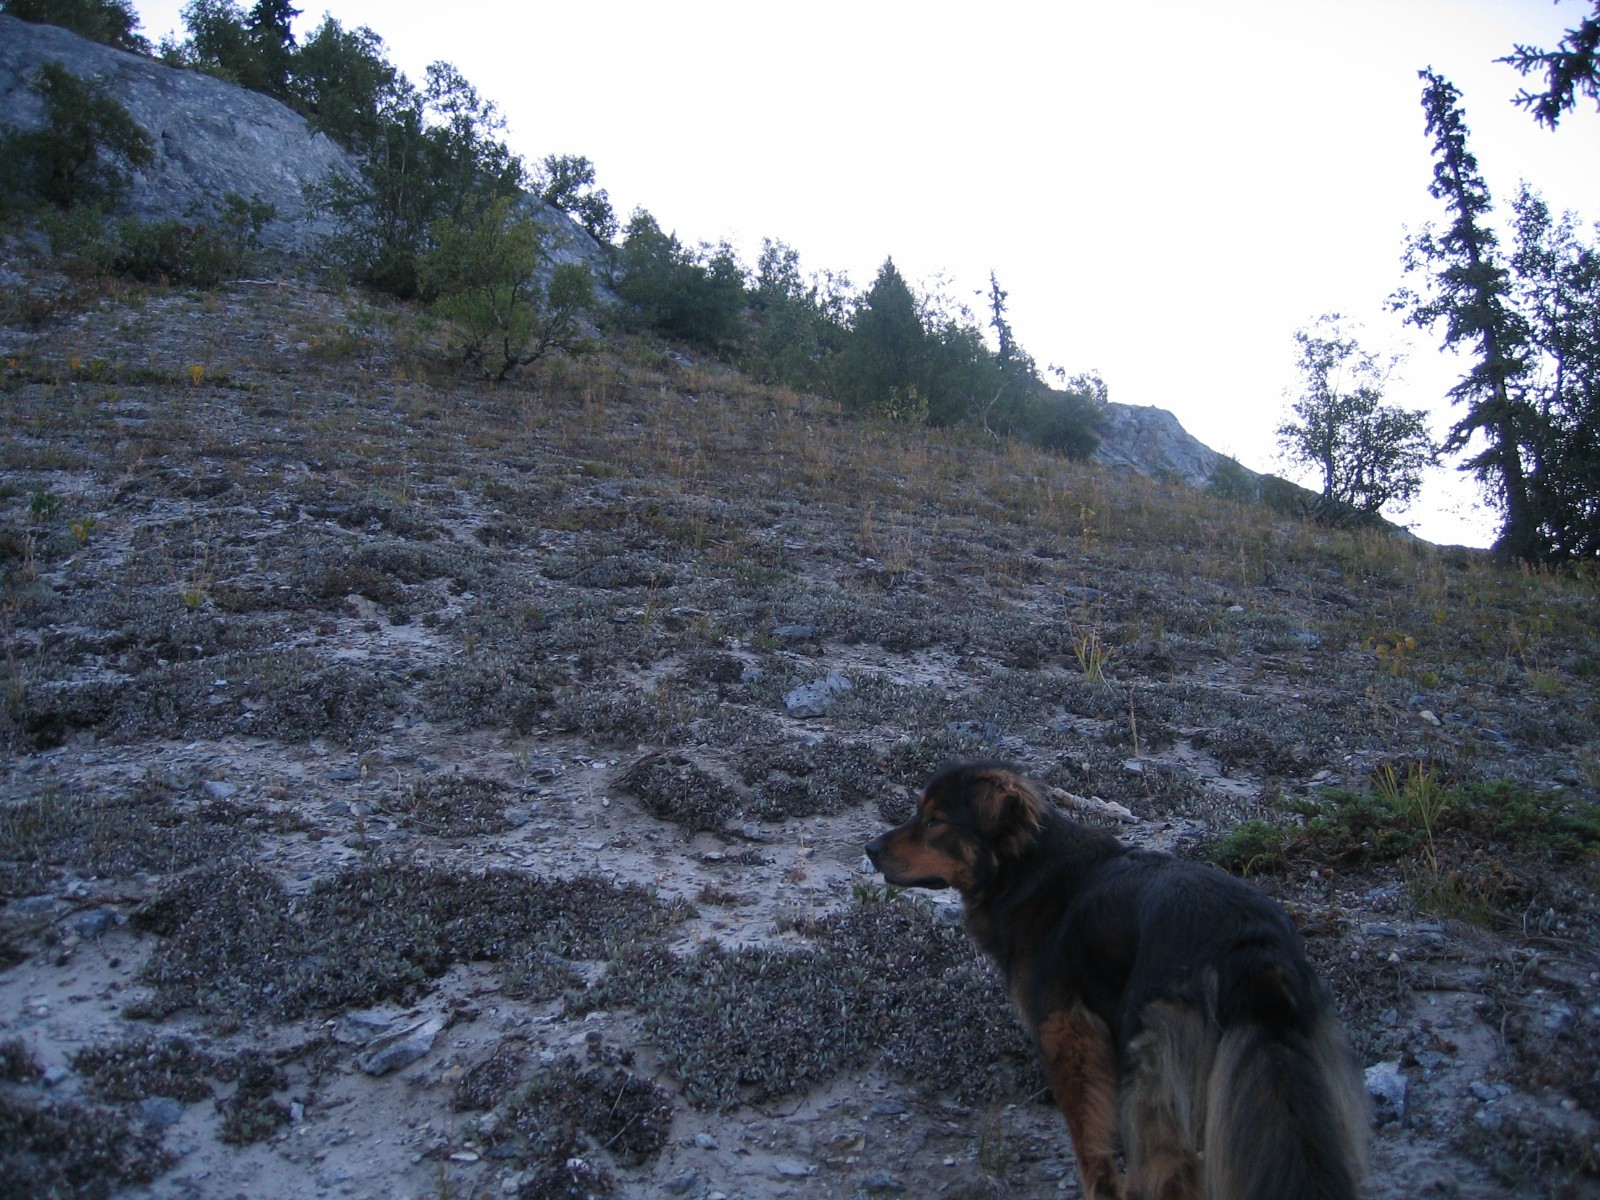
x=1166, y=189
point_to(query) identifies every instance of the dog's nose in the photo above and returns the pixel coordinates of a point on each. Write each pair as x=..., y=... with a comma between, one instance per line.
x=875, y=848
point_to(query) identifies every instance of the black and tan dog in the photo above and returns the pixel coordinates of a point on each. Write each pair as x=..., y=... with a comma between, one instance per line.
x=1172, y=1003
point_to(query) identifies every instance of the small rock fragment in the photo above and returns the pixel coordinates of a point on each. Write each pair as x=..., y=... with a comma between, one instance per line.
x=1387, y=1084
x=396, y=1050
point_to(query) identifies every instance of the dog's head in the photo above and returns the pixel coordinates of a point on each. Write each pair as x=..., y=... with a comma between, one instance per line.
x=970, y=821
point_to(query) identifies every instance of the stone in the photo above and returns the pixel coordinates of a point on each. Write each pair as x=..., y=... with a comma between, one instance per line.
x=680, y=1185
x=817, y=698
x=161, y=1111
x=33, y=906
x=1387, y=1084
x=94, y=922
x=400, y=1049
x=1482, y=1091
x=790, y=634
x=218, y=789
x=881, y=1181
x=790, y=1169
x=360, y=1028
x=705, y=1141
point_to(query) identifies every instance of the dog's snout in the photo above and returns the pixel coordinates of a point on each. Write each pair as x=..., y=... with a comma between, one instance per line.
x=875, y=848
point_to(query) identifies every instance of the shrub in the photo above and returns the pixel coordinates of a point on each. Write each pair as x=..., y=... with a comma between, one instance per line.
x=85, y=152
x=192, y=252
x=490, y=275
x=696, y=296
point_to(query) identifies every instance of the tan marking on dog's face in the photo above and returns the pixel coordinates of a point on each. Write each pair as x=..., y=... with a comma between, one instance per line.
x=927, y=851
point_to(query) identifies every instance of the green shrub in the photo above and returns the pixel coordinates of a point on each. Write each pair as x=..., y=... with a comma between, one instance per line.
x=490, y=275
x=199, y=253
x=85, y=152
x=698, y=296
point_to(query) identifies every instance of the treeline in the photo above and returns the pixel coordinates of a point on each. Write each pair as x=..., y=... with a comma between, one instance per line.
x=437, y=185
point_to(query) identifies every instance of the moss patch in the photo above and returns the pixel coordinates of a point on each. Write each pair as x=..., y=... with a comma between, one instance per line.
x=235, y=942
x=881, y=982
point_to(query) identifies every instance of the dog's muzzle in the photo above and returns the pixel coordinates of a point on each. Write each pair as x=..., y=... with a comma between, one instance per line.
x=874, y=848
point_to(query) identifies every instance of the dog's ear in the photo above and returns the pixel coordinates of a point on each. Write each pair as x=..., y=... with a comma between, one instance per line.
x=1007, y=808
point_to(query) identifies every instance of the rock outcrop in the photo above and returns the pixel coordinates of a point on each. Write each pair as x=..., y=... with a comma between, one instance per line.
x=1150, y=440
x=211, y=136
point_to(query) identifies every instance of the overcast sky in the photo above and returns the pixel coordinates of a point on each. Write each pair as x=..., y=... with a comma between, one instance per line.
x=1167, y=189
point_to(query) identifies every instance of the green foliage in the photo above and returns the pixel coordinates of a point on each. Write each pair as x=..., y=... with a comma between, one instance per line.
x=1369, y=453
x=110, y=21
x=202, y=253
x=695, y=295
x=1530, y=326
x=1420, y=818
x=254, y=49
x=921, y=359
x=84, y=153
x=342, y=80
x=1572, y=67
x=490, y=274
x=434, y=156
x=1470, y=291
x=566, y=182
x=796, y=325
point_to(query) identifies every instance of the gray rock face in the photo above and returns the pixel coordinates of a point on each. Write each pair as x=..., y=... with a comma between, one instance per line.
x=1150, y=440
x=211, y=137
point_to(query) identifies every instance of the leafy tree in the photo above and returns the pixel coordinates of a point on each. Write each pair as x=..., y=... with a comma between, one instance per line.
x=698, y=296
x=1572, y=67
x=255, y=49
x=489, y=273
x=1369, y=454
x=110, y=21
x=434, y=154
x=85, y=152
x=344, y=83
x=1470, y=292
x=566, y=182
x=796, y=324
x=1557, y=291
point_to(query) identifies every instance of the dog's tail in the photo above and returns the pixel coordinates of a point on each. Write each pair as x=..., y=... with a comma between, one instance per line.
x=1285, y=1113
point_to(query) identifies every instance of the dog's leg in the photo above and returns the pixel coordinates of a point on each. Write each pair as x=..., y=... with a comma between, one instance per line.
x=1163, y=1103
x=1082, y=1064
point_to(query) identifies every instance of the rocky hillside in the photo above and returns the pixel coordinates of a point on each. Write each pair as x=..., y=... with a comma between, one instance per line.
x=414, y=788
x=214, y=138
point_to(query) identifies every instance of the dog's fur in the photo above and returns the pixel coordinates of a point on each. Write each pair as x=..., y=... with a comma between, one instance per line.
x=1172, y=1003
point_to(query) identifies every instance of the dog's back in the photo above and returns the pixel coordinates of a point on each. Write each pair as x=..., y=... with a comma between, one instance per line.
x=1237, y=1080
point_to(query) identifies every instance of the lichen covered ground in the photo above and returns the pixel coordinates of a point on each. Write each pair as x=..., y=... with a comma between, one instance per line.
x=413, y=788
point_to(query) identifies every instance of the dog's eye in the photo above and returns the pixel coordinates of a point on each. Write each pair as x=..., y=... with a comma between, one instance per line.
x=936, y=823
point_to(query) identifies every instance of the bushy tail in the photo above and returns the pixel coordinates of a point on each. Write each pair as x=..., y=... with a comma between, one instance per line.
x=1286, y=1113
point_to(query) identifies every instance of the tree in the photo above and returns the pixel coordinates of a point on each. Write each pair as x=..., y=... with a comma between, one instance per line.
x=1470, y=291
x=1557, y=290
x=1369, y=454
x=85, y=152
x=433, y=154
x=1573, y=67
x=698, y=296
x=797, y=325
x=882, y=362
x=566, y=182
x=110, y=21
x=344, y=83
x=489, y=273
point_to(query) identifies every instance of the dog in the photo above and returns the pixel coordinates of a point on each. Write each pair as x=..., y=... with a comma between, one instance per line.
x=1171, y=1003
